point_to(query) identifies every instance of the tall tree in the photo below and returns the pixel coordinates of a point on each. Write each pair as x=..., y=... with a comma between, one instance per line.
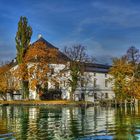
x=133, y=55
x=23, y=37
x=121, y=72
x=126, y=75
x=78, y=56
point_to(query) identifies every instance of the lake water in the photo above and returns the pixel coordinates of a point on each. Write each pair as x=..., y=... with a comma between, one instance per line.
x=69, y=123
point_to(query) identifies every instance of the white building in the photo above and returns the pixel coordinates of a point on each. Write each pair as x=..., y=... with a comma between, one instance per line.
x=97, y=84
x=95, y=87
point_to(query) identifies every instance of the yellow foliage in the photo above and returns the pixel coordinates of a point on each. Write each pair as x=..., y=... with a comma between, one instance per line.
x=125, y=84
x=35, y=65
x=6, y=79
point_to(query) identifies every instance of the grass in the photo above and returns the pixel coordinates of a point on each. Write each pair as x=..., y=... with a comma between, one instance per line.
x=50, y=102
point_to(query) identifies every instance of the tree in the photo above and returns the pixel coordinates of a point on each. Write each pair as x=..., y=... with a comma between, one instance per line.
x=78, y=56
x=126, y=75
x=38, y=58
x=133, y=55
x=23, y=37
x=7, y=83
x=37, y=61
x=121, y=72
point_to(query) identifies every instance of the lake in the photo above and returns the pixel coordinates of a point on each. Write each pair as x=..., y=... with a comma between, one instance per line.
x=69, y=123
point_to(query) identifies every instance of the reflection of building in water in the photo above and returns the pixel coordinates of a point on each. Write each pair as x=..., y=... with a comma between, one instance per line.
x=32, y=124
x=63, y=123
x=11, y=117
x=100, y=120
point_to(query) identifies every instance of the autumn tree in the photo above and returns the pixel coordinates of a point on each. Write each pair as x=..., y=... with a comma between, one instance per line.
x=78, y=56
x=126, y=75
x=133, y=55
x=7, y=83
x=121, y=72
x=23, y=37
x=38, y=58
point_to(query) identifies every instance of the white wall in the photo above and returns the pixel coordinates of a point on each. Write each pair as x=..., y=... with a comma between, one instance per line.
x=100, y=89
x=62, y=76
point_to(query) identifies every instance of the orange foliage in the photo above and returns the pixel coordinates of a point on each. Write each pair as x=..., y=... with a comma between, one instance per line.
x=36, y=64
x=6, y=79
x=125, y=82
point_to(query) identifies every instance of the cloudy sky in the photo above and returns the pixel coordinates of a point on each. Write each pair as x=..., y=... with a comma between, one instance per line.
x=106, y=27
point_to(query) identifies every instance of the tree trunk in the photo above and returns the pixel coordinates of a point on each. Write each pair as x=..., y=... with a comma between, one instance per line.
x=71, y=96
x=25, y=90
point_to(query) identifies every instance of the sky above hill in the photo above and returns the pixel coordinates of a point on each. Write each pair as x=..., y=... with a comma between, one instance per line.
x=106, y=27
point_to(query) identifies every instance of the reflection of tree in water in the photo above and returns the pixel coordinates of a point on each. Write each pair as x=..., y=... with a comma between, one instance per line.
x=48, y=122
x=126, y=123
x=24, y=122
x=74, y=124
x=65, y=123
x=3, y=120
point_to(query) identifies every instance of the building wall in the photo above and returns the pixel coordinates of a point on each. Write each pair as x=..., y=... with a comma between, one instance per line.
x=96, y=87
x=60, y=78
x=93, y=85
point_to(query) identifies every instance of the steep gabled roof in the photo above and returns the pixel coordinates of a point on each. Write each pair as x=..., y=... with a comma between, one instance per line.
x=49, y=45
x=61, y=56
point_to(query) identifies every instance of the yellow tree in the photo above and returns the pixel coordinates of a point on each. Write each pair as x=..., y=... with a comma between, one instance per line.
x=133, y=56
x=134, y=83
x=121, y=72
x=7, y=83
x=38, y=58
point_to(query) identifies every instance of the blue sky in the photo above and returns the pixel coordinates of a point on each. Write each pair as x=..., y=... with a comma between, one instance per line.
x=106, y=27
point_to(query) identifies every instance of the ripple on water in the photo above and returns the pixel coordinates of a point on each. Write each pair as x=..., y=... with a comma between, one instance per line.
x=69, y=123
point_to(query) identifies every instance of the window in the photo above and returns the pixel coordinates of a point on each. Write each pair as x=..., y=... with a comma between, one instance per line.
x=106, y=95
x=95, y=82
x=95, y=96
x=52, y=71
x=106, y=83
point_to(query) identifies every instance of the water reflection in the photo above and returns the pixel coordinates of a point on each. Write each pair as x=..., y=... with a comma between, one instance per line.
x=66, y=123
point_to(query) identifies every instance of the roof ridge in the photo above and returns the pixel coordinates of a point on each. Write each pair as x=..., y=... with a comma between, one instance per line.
x=48, y=44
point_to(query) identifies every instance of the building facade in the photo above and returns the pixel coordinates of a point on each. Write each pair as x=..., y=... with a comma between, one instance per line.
x=95, y=79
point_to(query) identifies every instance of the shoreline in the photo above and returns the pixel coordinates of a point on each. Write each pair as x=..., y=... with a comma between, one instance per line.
x=51, y=102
